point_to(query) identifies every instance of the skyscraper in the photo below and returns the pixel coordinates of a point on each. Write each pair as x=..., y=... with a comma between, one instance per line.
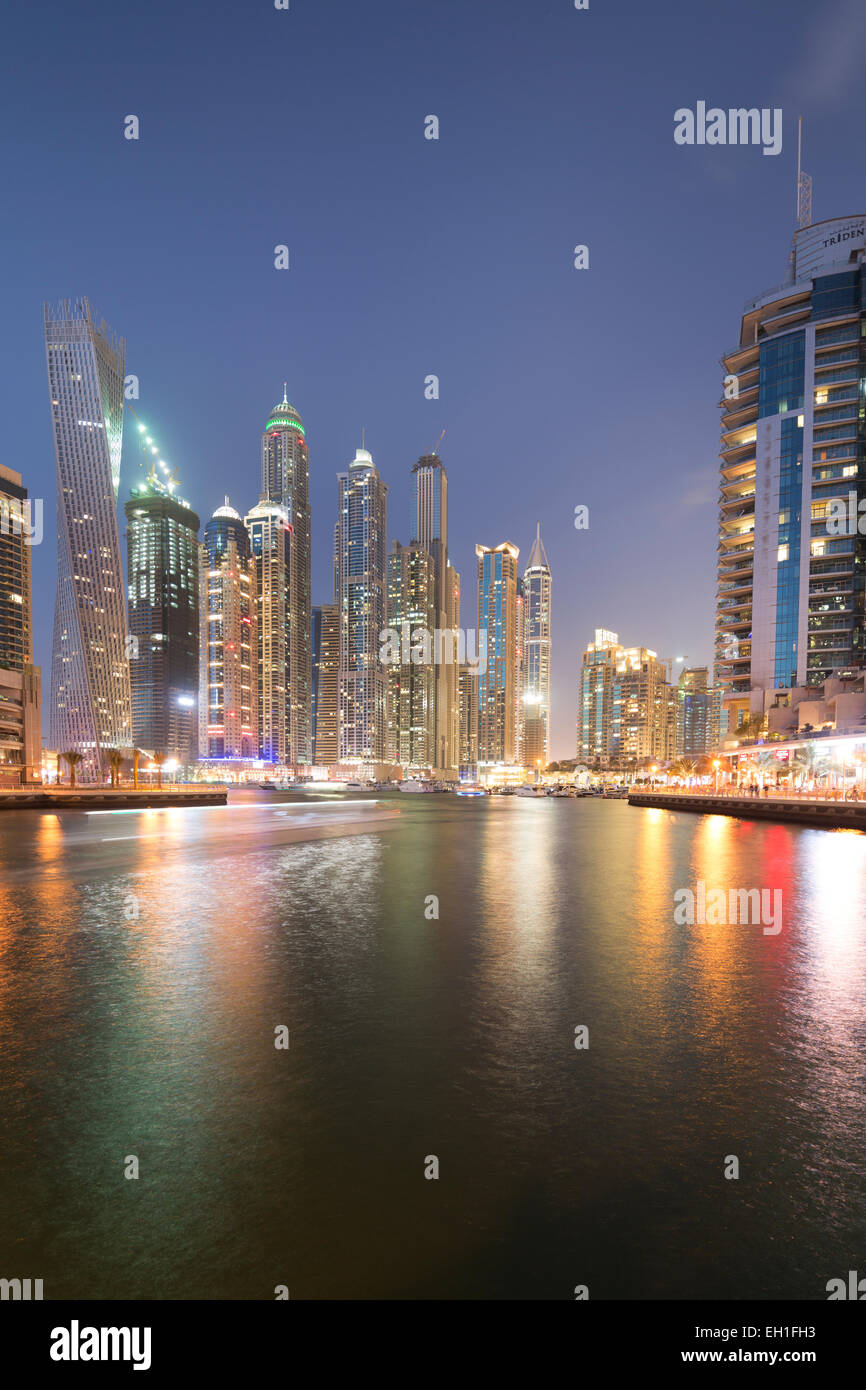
x=790, y=608
x=163, y=593
x=16, y=616
x=286, y=481
x=628, y=708
x=498, y=682
x=271, y=540
x=326, y=669
x=90, y=694
x=467, y=680
x=20, y=680
x=694, y=712
x=228, y=691
x=361, y=554
x=537, y=593
x=428, y=527
x=412, y=678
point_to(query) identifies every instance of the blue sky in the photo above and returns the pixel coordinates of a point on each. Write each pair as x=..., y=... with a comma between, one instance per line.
x=410, y=257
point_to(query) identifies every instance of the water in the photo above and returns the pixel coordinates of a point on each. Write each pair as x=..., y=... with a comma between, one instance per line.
x=411, y=1037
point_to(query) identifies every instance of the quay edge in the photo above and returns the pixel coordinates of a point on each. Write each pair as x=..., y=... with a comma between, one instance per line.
x=829, y=815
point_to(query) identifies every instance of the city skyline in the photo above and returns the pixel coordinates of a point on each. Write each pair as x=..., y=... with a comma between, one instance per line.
x=544, y=347
x=433, y=671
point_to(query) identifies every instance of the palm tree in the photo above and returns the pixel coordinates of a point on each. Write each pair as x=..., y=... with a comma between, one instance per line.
x=811, y=761
x=159, y=758
x=115, y=762
x=72, y=759
x=684, y=767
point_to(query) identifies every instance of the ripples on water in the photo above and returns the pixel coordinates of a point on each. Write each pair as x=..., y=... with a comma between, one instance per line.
x=411, y=1037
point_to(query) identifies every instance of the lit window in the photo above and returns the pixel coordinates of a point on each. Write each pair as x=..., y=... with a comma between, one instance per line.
x=782, y=553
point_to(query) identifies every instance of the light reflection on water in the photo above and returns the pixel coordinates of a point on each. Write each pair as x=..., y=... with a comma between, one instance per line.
x=412, y=1036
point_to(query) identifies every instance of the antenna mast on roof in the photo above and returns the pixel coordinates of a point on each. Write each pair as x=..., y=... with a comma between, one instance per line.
x=804, y=184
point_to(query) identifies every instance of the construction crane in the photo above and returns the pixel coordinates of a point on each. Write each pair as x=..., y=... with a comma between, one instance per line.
x=671, y=661
x=149, y=449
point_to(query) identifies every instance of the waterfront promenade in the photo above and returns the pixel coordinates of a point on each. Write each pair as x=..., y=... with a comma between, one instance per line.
x=803, y=808
x=101, y=798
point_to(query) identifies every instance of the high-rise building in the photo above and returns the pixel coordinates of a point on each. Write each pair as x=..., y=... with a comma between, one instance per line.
x=790, y=608
x=20, y=680
x=450, y=751
x=286, y=481
x=16, y=617
x=90, y=694
x=537, y=592
x=694, y=713
x=271, y=541
x=361, y=557
x=228, y=691
x=597, y=679
x=628, y=707
x=326, y=668
x=498, y=681
x=428, y=527
x=467, y=678
x=412, y=677
x=519, y=707
x=162, y=555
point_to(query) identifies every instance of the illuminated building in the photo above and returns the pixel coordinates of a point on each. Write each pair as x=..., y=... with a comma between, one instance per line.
x=790, y=606
x=20, y=680
x=228, y=688
x=428, y=527
x=537, y=593
x=271, y=540
x=412, y=682
x=694, y=713
x=326, y=666
x=163, y=595
x=628, y=708
x=90, y=694
x=467, y=678
x=499, y=680
x=286, y=482
x=361, y=541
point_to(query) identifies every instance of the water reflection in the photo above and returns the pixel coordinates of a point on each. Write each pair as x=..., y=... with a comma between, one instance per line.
x=151, y=1031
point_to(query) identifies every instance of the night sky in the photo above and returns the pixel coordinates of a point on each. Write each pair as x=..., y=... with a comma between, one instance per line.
x=411, y=257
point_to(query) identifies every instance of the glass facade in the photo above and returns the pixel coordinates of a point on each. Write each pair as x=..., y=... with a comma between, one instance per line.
x=499, y=681
x=802, y=356
x=90, y=694
x=361, y=539
x=781, y=376
x=163, y=595
x=286, y=482
x=788, y=554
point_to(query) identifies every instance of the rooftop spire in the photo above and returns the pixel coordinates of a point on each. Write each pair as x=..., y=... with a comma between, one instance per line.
x=538, y=554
